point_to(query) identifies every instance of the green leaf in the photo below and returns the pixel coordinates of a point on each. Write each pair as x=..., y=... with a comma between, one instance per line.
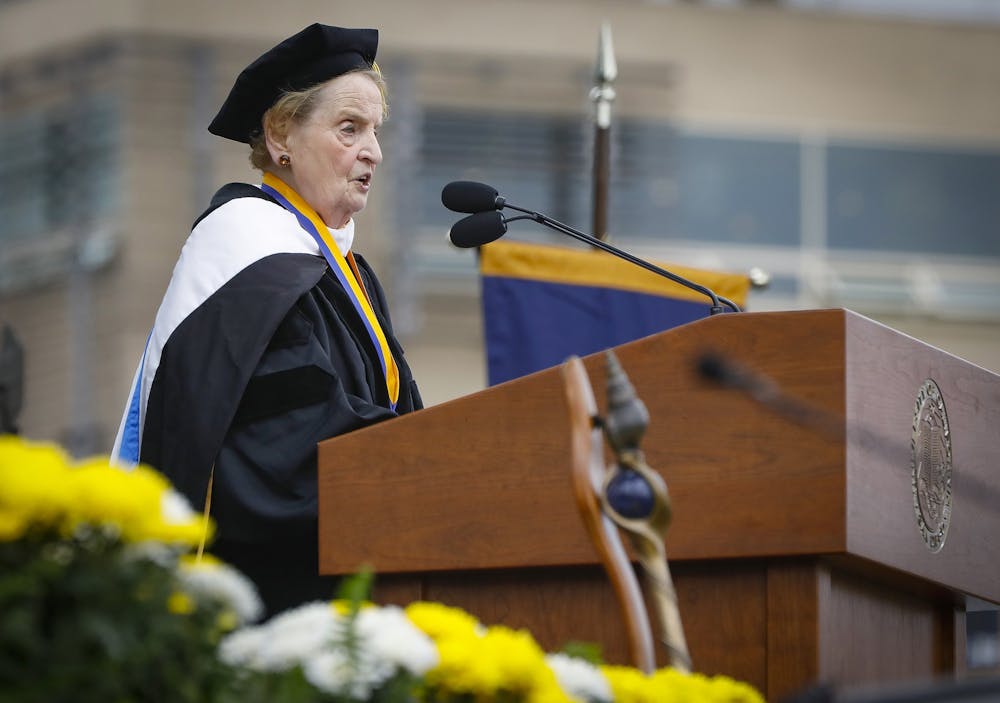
x=357, y=588
x=588, y=651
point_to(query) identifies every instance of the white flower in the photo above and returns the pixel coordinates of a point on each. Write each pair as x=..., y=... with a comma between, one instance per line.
x=175, y=508
x=332, y=671
x=386, y=641
x=329, y=671
x=388, y=634
x=159, y=553
x=214, y=580
x=579, y=678
x=295, y=635
x=314, y=636
x=244, y=647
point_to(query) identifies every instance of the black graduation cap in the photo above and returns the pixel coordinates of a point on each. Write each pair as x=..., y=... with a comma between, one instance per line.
x=316, y=54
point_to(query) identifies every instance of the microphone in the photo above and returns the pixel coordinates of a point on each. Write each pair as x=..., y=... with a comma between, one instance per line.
x=726, y=373
x=716, y=368
x=486, y=224
x=469, y=196
x=478, y=229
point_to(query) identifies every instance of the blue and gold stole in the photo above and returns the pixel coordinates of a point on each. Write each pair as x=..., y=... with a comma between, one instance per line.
x=346, y=271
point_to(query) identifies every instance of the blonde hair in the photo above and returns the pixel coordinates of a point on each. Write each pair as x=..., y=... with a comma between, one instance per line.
x=295, y=107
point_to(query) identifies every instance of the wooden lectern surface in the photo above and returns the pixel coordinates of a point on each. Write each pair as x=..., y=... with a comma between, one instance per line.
x=796, y=554
x=884, y=372
x=482, y=482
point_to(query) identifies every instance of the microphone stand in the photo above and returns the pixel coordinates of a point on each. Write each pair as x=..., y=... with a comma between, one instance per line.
x=717, y=300
x=767, y=393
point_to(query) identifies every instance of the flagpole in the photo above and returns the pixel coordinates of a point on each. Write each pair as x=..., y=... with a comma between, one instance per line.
x=602, y=95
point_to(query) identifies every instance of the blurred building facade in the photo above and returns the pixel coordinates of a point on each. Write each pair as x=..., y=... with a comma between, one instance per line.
x=856, y=158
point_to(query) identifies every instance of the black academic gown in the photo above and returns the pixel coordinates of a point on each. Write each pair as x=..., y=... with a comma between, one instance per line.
x=275, y=361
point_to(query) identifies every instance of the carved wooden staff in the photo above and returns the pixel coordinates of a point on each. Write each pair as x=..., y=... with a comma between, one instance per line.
x=588, y=474
x=631, y=496
x=636, y=498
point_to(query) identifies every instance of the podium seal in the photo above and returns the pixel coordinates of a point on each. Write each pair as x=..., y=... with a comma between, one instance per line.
x=930, y=464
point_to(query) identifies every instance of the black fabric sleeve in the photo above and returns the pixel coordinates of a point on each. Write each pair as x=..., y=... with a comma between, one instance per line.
x=318, y=378
x=207, y=363
x=315, y=380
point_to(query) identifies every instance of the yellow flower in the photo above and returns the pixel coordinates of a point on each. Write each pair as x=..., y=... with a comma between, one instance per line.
x=437, y=620
x=463, y=667
x=19, y=454
x=462, y=664
x=180, y=603
x=227, y=621
x=627, y=685
x=481, y=662
x=135, y=502
x=726, y=690
x=520, y=661
x=33, y=487
x=12, y=525
x=698, y=687
x=39, y=486
x=671, y=686
x=126, y=500
x=549, y=692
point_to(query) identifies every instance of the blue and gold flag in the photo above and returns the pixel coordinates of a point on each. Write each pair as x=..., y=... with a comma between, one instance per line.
x=542, y=304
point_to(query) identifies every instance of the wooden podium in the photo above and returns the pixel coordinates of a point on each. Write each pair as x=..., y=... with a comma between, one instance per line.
x=796, y=554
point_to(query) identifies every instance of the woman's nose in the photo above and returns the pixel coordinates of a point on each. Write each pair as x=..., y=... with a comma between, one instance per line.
x=372, y=152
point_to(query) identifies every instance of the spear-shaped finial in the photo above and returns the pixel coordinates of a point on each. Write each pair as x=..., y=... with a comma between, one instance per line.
x=605, y=72
x=603, y=94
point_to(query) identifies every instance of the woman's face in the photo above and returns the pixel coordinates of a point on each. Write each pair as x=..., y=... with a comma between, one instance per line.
x=335, y=150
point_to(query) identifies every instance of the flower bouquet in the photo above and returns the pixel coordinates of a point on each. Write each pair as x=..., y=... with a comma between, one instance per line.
x=97, y=601
x=102, y=599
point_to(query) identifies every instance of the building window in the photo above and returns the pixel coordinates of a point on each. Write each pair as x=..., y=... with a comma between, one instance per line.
x=666, y=184
x=873, y=226
x=934, y=201
x=59, y=190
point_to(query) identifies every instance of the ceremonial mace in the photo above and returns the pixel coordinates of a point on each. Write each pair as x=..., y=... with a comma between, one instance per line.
x=629, y=495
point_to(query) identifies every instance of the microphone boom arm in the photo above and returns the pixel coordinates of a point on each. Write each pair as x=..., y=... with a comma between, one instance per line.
x=717, y=300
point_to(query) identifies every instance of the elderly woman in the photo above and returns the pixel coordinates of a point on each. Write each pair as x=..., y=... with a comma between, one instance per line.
x=273, y=335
